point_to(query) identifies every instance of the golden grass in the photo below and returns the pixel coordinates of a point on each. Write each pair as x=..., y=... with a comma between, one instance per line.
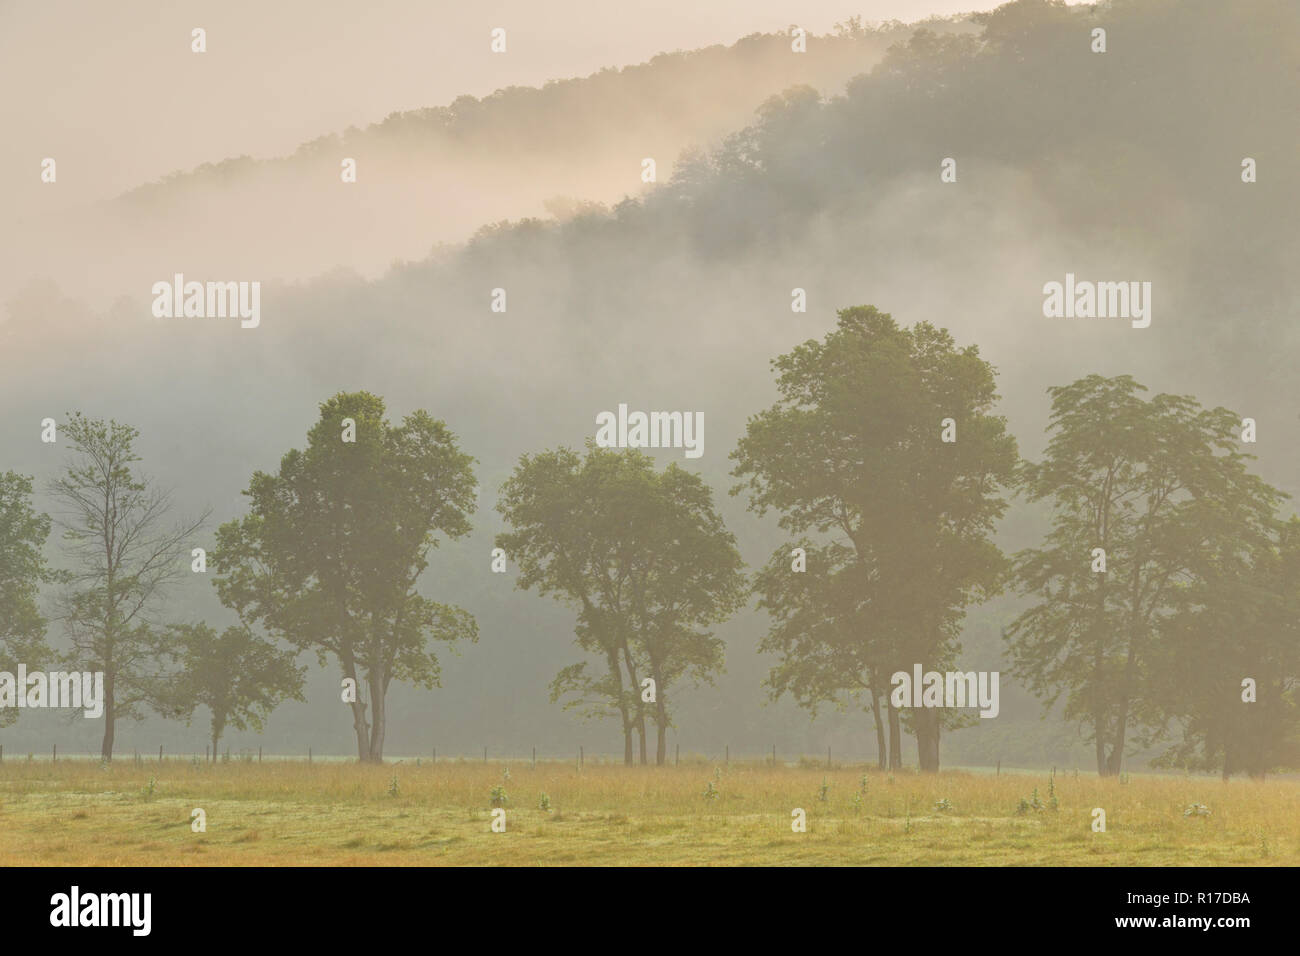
x=337, y=813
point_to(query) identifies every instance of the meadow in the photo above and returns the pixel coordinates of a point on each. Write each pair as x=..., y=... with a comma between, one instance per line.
x=336, y=813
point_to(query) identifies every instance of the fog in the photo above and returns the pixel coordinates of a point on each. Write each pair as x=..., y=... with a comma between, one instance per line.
x=673, y=295
x=447, y=135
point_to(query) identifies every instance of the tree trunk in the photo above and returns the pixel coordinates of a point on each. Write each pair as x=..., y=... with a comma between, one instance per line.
x=611, y=656
x=110, y=672
x=895, y=739
x=362, y=729
x=640, y=705
x=1097, y=724
x=1115, y=759
x=882, y=754
x=378, y=717
x=110, y=719
x=1098, y=653
x=359, y=724
x=926, y=721
x=1116, y=756
x=661, y=725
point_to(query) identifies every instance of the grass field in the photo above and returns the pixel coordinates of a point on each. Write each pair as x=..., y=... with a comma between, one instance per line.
x=337, y=813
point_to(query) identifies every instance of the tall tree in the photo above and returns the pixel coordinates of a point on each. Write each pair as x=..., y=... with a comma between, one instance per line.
x=645, y=560
x=23, y=570
x=239, y=677
x=331, y=552
x=1143, y=490
x=127, y=553
x=854, y=451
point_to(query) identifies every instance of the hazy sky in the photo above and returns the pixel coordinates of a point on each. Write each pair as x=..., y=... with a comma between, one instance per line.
x=112, y=91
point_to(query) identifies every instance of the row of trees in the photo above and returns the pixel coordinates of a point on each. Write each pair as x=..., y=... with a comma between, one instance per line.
x=1166, y=584
x=1162, y=605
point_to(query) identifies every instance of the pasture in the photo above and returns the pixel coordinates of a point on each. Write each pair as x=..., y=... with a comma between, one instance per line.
x=336, y=813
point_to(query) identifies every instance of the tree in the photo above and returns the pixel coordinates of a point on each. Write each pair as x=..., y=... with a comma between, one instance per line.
x=237, y=675
x=823, y=629
x=1228, y=661
x=329, y=556
x=565, y=542
x=23, y=570
x=686, y=577
x=644, y=558
x=115, y=522
x=1147, y=496
x=854, y=452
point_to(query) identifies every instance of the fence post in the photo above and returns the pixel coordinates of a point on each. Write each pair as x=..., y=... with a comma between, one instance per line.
x=677, y=759
x=55, y=758
x=534, y=758
x=309, y=755
x=485, y=755
x=160, y=753
x=727, y=758
x=580, y=758
x=828, y=758
x=773, y=755
x=999, y=773
x=259, y=753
